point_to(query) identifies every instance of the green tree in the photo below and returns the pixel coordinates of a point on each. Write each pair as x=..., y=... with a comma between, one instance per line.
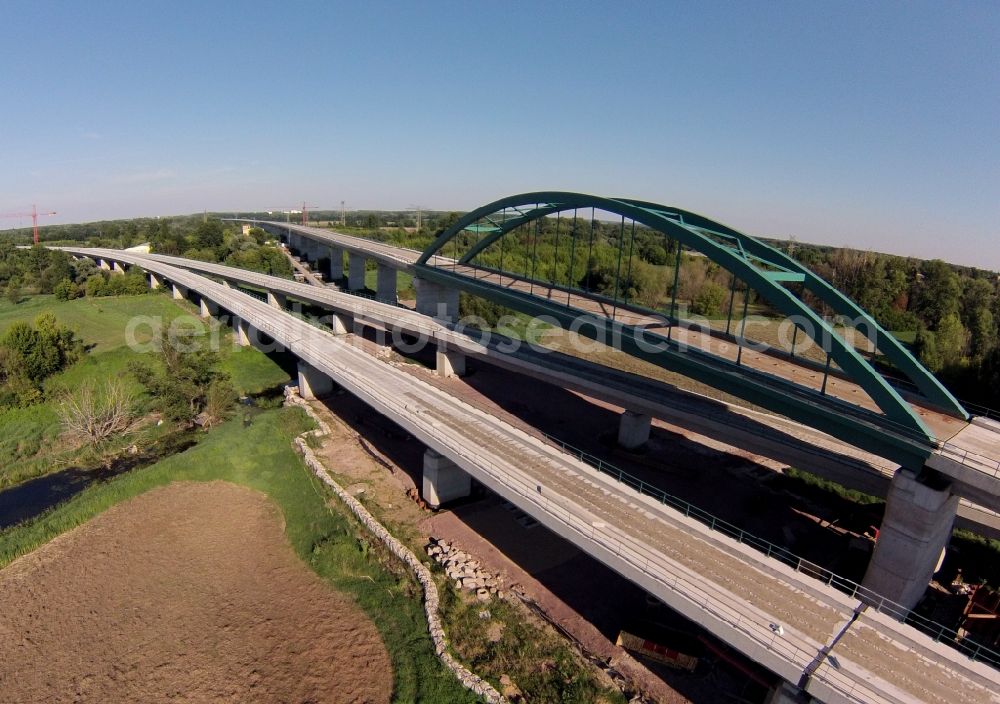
x=709, y=300
x=209, y=234
x=29, y=356
x=982, y=334
x=925, y=347
x=937, y=293
x=185, y=381
x=12, y=292
x=96, y=286
x=66, y=290
x=951, y=339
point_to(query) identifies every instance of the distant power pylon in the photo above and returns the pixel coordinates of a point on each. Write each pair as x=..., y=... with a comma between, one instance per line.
x=419, y=209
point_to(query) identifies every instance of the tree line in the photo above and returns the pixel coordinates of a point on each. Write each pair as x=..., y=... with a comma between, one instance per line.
x=948, y=314
x=40, y=270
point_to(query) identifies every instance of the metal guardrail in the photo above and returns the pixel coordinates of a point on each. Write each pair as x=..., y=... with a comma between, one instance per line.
x=939, y=632
x=977, y=409
x=966, y=458
x=984, y=464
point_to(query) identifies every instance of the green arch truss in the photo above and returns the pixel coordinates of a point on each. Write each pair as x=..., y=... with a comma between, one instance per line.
x=758, y=265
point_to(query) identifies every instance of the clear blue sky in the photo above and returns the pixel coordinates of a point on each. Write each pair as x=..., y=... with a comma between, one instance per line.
x=865, y=124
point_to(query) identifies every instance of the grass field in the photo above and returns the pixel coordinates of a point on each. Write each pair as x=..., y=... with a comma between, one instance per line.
x=101, y=322
x=30, y=443
x=327, y=539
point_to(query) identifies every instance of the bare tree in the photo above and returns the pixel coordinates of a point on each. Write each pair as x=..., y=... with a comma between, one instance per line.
x=94, y=414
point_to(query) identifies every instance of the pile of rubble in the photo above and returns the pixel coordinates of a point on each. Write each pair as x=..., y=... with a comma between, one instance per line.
x=464, y=570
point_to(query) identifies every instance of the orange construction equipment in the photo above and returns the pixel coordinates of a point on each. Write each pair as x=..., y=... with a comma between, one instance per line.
x=34, y=218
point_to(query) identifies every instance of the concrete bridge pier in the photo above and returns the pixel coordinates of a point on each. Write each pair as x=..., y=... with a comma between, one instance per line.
x=208, y=308
x=313, y=383
x=225, y=282
x=385, y=289
x=313, y=250
x=786, y=693
x=919, y=514
x=180, y=293
x=443, y=481
x=355, y=271
x=241, y=332
x=336, y=263
x=449, y=362
x=103, y=265
x=341, y=323
x=305, y=249
x=277, y=300
x=117, y=268
x=633, y=429
x=155, y=281
x=436, y=300
x=293, y=241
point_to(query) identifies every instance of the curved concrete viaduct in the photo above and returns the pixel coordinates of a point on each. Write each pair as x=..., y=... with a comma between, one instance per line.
x=765, y=434
x=834, y=647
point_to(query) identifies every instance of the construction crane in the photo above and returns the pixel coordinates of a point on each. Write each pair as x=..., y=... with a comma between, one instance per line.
x=288, y=212
x=305, y=212
x=34, y=218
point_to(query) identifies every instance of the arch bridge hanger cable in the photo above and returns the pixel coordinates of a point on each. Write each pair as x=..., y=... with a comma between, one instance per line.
x=757, y=265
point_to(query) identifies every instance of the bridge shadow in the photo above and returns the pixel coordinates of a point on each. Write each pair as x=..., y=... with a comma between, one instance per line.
x=578, y=585
x=814, y=523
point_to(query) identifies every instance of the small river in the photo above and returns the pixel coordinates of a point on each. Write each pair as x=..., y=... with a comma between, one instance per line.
x=34, y=497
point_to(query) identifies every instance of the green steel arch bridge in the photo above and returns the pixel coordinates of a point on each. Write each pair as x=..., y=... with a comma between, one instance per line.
x=867, y=410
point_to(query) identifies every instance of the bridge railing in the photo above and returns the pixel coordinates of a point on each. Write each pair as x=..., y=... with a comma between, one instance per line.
x=984, y=464
x=937, y=631
x=705, y=595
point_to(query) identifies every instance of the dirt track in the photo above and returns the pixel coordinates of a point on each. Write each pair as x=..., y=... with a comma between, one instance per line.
x=187, y=593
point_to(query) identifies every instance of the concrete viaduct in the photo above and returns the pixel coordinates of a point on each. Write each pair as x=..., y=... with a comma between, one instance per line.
x=933, y=480
x=833, y=646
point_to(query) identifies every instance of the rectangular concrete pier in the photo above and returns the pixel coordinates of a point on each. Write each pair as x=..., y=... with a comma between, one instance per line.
x=313, y=383
x=385, y=290
x=443, y=480
x=355, y=272
x=912, y=538
x=436, y=300
x=336, y=263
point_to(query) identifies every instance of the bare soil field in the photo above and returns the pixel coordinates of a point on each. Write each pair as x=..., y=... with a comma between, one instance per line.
x=188, y=593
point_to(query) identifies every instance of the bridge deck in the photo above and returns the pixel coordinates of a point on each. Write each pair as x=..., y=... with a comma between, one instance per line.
x=636, y=392
x=942, y=425
x=723, y=585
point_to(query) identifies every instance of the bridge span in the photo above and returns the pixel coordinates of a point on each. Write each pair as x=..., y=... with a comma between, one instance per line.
x=835, y=647
x=765, y=434
x=943, y=455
